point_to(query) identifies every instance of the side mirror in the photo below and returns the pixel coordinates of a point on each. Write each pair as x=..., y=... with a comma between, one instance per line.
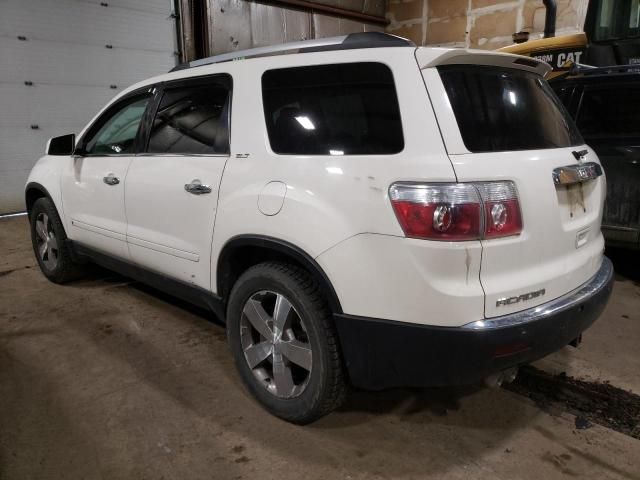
x=63, y=145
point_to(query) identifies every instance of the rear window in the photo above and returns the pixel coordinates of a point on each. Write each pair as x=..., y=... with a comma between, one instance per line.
x=506, y=109
x=610, y=113
x=343, y=109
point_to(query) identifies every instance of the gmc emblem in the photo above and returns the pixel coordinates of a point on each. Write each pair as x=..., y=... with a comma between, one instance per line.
x=522, y=298
x=586, y=172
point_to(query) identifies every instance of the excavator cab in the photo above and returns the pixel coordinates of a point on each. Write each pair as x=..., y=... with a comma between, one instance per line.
x=611, y=37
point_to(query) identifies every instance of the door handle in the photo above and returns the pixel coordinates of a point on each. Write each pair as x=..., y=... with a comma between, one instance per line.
x=111, y=179
x=197, y=188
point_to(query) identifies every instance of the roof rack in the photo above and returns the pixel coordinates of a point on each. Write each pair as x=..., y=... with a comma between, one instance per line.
x=589, y=70
x=343, y=42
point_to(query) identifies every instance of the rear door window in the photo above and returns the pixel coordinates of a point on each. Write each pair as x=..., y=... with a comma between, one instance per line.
x=501, y=109
x=610, y=113
x=342, y=109
x=192, y=119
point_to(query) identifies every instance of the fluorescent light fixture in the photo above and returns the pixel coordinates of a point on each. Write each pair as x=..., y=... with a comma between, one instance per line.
x=334, y=170
x=336, y=152
x=306, y=123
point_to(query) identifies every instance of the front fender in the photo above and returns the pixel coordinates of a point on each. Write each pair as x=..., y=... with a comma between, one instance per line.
x=45, y=177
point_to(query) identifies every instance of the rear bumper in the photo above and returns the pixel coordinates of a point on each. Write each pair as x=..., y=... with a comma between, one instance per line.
x=382, y=354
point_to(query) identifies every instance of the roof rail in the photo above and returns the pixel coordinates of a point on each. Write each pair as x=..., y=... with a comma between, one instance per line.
x=343, y=42
x=588, y=70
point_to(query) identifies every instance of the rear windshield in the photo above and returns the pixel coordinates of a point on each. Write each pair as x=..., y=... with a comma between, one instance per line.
x=501, y=109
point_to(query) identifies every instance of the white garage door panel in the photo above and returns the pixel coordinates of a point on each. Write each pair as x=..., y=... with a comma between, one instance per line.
x=72, y=21
x=79, y=64
x=141, y=5
x=20, y=149
x=12, y=191
x=71, y=72
x=49, y=106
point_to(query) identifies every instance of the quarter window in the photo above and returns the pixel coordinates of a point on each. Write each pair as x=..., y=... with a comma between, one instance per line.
x=192, y=120
x=118, y=133
x=342, y=109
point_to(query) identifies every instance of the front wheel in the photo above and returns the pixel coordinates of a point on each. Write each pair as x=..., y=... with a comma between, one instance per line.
x=284, y=344
x=50, y=243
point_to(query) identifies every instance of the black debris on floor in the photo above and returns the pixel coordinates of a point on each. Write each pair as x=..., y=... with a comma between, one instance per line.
x=590, y=402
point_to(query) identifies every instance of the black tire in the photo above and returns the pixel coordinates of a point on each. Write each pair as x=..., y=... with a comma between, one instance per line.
x=64, y=268
x=325, y=387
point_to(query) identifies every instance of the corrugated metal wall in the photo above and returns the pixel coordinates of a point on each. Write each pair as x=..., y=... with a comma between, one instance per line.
x=240, y=24
x=60, y=62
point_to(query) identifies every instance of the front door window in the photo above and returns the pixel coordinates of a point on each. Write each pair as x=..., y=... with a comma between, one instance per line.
x=118, y=133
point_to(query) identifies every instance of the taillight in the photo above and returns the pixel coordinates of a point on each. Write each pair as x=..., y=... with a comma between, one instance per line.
x=437, y=211
x=501, y=209
x=457, y=211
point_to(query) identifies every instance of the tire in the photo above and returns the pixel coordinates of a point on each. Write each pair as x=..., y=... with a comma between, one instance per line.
x=313, y=392
x=55, y=257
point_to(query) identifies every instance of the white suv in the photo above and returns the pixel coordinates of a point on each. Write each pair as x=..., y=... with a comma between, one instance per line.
x=359, y=210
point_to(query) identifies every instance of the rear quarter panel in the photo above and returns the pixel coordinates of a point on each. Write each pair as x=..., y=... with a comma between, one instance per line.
x=328, y=199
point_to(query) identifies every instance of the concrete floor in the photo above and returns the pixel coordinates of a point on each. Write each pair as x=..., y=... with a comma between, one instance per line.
x=106, y=379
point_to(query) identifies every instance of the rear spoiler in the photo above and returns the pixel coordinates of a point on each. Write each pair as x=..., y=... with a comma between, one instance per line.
x=434, y=57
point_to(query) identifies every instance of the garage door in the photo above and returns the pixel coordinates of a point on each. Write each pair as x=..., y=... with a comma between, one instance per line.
x=60, y=62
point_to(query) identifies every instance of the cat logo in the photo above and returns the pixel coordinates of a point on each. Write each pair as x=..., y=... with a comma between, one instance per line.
x=560, y=59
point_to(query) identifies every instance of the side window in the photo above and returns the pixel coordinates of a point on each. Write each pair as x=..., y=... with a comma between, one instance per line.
x=610, y=113
x=192, y=119
x=117, y=134
x=341, y=109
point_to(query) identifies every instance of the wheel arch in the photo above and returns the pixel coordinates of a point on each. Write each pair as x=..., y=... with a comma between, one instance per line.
x=244, y=251
x=32, y=192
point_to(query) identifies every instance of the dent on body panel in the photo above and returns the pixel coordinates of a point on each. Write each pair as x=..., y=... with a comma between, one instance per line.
x=343, y=199
x=315, y=218
x=373, y=184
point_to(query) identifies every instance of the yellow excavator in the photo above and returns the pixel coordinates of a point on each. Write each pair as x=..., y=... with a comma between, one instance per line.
x=611, y=37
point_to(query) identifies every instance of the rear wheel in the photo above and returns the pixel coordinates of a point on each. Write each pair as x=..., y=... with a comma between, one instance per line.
x=284, y=343
x=50, y=243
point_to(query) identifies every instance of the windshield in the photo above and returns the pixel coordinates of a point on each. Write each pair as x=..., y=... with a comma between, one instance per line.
x=616, y=19
x=503, y=109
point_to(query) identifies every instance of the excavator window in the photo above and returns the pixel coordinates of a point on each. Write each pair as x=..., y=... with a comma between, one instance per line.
x=616, y=19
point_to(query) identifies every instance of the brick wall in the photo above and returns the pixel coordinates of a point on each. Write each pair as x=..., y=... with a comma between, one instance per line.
x=486, y=24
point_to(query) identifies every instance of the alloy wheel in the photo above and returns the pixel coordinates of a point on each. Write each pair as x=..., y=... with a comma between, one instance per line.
x=46, y=242
x=275, y=344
